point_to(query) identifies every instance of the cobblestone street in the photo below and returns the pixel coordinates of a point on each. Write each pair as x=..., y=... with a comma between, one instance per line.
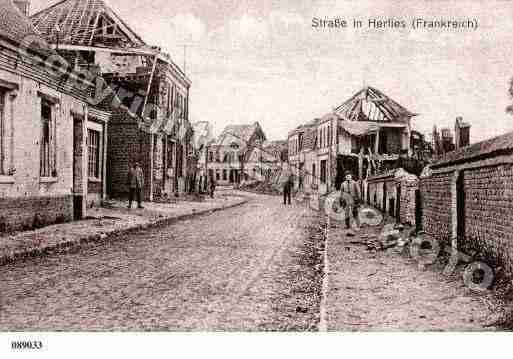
x=238, y=269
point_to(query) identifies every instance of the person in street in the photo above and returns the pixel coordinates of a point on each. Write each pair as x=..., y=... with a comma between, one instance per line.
x=287, y=190
x=135, y=182
x=212, y=187
x=351, y=187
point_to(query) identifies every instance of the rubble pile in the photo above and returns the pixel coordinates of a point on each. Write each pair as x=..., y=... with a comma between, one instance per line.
x=261, y=187
x=392, y=236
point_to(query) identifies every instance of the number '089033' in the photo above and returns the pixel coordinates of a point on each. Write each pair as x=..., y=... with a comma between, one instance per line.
x=26, y=345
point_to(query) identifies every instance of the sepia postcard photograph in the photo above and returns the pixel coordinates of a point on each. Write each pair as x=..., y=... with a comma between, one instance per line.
x=255, y=174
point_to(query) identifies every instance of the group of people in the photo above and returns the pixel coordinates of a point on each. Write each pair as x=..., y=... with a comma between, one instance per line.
x=350, y=196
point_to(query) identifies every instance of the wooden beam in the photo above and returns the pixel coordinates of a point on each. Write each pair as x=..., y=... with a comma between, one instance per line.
x=376, y=145
x=94, y=29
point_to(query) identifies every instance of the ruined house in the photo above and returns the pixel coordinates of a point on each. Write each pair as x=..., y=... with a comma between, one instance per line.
x=365, y=134
x=265, y=163
x=149, y=97
x=52, y=139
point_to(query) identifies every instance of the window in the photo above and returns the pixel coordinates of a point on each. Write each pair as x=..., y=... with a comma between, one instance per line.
x=314, y=179
x=93, y=145
x=2, y=133
x=218, y=177
x=225, y=175
x=323, y=171
x=47, y=154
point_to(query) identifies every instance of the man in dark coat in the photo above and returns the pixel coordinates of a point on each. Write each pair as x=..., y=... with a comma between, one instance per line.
x=287, y=190
x=351, y=187
x=212, y=185
x=135, y=182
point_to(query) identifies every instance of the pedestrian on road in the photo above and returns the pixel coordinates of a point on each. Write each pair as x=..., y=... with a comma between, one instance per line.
x=135, y=182
x=212, y=187
x=352, y=188
x=287, y=190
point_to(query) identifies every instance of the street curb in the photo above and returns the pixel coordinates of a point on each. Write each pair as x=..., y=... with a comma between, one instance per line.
x=323, y=321
x=76, y=243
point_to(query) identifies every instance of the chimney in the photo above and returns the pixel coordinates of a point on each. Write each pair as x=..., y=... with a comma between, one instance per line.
x=23, y=5
x=462, y=132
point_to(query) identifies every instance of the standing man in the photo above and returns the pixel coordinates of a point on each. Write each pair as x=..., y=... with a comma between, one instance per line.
x=287, y=190
x=135, y=183
x=352, y=188
x=212, y=186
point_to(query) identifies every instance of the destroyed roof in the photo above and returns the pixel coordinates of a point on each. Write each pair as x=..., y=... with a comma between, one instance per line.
x=16, y=27
x=497, y=145
x=83, y=23
x=241, y=134
x=370, y=104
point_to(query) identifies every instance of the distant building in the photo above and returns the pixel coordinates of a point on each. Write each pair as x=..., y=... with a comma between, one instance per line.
x=445, y=142
x=227, y=157
x=461, y=133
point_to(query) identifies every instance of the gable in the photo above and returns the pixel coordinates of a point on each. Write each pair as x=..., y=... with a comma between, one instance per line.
x=371, y=104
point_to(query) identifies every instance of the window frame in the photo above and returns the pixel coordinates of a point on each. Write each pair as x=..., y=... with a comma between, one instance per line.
x=94, y=159
x=47, y=150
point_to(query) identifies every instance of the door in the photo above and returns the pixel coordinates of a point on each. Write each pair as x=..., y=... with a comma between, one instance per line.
x=460, y=207
x=78, y=169
x=398, y=204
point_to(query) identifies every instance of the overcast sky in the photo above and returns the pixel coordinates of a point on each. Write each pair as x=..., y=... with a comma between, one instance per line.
x=262, y=60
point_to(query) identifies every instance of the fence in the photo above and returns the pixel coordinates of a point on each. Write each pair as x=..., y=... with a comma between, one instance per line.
x=395, y=194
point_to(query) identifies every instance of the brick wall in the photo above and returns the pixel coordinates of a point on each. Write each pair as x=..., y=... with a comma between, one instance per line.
x=489, y=212
x=436, y=206
x=127, y=145
x=408, y=202
x=37, y=212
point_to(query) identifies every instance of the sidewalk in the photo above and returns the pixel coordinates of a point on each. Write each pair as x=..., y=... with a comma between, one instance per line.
x=376, y=290
x=104, y=223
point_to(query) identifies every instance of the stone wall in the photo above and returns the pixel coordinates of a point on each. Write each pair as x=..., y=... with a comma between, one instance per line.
x=36, y=212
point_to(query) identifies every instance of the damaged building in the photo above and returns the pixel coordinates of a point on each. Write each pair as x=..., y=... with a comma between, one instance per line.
x=150, y=97
x=364, y=135
x=52, y=139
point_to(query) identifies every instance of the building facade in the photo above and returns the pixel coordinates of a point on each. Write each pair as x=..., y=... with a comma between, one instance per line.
x=226, y=159
x=52, y=140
